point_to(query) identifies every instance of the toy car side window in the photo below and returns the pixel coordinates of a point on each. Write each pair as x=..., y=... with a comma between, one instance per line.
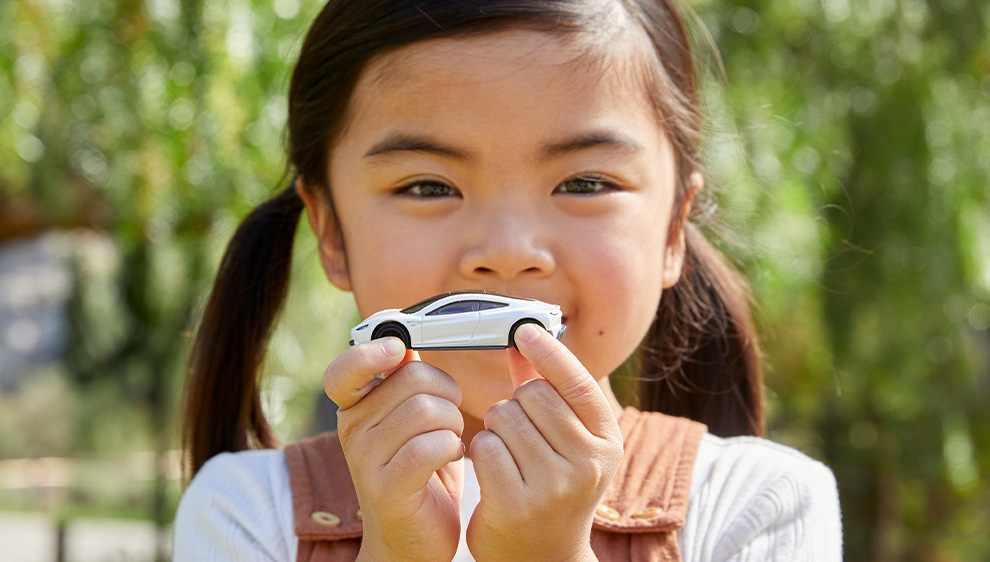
x=487, y=305
x=455, y=308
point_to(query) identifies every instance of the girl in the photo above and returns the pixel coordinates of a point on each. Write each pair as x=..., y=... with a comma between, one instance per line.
x=537, y=148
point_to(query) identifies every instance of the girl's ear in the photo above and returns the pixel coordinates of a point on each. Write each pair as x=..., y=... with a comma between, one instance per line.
x=328, y=235
x=674, y=257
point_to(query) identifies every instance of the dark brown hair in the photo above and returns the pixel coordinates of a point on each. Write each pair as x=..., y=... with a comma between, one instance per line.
x=700, y=358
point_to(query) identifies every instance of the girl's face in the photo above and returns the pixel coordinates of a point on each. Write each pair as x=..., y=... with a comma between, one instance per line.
x=505, y=162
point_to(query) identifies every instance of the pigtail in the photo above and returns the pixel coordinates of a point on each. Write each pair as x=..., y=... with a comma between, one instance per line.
x=701, y=358
x=222, y=403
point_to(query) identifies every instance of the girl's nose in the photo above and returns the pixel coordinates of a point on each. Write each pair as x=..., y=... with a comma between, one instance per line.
x=508, y=250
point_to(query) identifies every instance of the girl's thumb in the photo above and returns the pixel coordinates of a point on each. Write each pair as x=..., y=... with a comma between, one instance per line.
x=411, y=355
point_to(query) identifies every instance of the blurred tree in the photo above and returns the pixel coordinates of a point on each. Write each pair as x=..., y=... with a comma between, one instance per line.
x=871, y=117
x=159, y=123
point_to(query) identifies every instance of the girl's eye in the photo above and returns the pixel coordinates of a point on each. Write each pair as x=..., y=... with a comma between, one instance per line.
x=429, y=189
x=585, y=185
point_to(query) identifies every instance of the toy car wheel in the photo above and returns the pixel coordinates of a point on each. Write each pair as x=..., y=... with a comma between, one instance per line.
x=393, y=330
x=512, y=332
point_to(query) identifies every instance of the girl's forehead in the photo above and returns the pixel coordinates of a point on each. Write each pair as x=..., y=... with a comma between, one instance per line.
x=544, y=64
x=447, y=56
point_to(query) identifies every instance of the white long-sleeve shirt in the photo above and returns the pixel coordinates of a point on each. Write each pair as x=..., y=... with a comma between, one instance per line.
x=750, y=499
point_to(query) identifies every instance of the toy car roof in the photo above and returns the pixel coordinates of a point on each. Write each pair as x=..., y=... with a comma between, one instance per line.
x=424, y=303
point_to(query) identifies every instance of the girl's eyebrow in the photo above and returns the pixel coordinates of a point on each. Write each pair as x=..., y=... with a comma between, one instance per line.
x=403, y=142
x=592, y=139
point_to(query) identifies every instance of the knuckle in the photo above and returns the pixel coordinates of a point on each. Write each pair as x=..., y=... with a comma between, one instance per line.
x=330, y=382
x=598, y=475
x=445, y=385
x=561, y=488
x=484, y=446
x=581, y=391
x=421, y=373
x=535, y=391
x=427, y=379
x=345, y=426
x=426, y=448
x=328, y=374
x=599, y=467
x=583, y=470
x=423, y=409
x=356, y=454
x=416, y=450
x=502, y=413
x=451, y=390
x=584, y=479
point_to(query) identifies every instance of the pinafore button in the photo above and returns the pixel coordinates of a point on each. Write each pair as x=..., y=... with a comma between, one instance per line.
x=326, y=518
x=607, y=512
x=650, y=512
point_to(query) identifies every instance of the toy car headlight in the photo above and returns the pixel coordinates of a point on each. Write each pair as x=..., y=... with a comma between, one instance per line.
x=361, y=327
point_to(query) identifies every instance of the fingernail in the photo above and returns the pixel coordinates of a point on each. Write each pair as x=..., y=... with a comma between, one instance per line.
x=393, y=346
x=527, y=333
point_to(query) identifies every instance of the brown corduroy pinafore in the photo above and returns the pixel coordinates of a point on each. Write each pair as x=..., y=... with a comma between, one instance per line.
x=643, y=507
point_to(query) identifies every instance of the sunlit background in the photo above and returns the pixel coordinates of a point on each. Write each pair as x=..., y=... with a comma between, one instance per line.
x=849, y=142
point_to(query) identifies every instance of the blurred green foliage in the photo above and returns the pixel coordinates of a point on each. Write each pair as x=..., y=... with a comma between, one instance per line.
x=861, y=191
x=848, y=152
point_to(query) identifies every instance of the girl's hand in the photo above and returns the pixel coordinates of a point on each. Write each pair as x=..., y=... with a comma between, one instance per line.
x=401, y=438
x=545, y=459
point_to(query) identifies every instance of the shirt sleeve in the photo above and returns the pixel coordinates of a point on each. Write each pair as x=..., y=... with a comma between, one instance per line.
x=238, y=507
x=757, y=500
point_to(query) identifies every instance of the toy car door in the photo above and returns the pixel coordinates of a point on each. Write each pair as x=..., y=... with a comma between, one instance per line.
x=494, y=322
x=450, y=325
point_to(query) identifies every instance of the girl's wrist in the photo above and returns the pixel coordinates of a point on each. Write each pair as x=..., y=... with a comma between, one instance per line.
x=585, y=554
x=381, y=553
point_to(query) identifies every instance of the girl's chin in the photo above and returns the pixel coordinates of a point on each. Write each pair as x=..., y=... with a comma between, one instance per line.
x=483, y=375
x=493, y=362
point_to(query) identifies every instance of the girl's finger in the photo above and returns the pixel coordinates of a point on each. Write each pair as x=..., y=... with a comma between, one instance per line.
x=520, y=370
x=552, y=417
x=414, y=378
x=379, y=407
x=352, y=375
x=418, y=414
x=493, y=464
x=416, y=461
x=528, y=447
x=568, y=376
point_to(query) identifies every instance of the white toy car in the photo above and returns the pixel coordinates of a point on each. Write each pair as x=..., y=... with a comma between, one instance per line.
x=460, y=320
